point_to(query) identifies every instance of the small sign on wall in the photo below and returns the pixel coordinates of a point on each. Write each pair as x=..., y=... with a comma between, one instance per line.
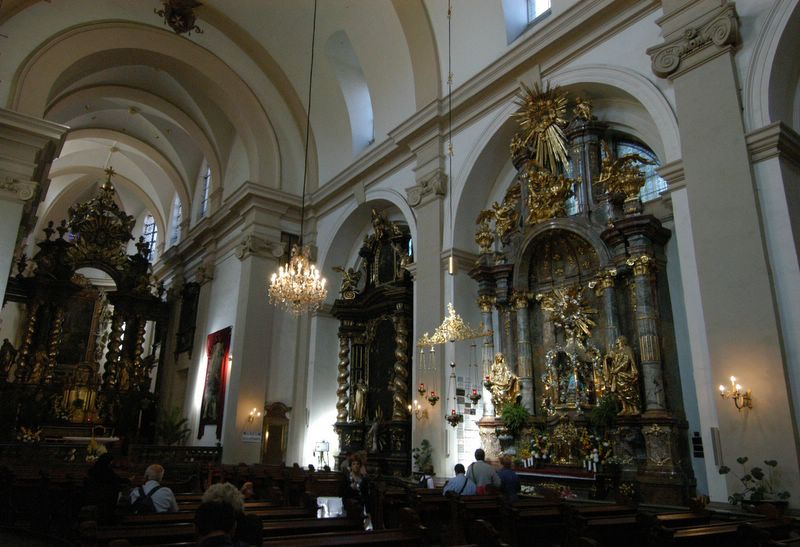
x=251, y=437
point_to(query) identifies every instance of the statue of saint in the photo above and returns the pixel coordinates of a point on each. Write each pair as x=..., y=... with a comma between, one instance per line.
x=7, y=355
x=39, y=364
x=504, y=384
x=360, y=404
x=622, y=377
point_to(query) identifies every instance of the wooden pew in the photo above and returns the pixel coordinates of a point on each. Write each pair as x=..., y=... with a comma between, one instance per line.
x=291, y=527
x=466, y=509
x=398, y=537
x=534, y=518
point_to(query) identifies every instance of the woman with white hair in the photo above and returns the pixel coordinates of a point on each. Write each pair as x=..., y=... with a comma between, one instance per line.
x=248, y=529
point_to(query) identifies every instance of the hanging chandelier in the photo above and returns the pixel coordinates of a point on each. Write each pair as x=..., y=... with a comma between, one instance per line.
x=298, y=286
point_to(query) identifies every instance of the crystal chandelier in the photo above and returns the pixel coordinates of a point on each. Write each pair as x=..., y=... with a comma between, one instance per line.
x=298, y=287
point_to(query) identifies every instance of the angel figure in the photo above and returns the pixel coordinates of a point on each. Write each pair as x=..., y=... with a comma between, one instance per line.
x=506, y=214
x=622, y=175
x=350, y=279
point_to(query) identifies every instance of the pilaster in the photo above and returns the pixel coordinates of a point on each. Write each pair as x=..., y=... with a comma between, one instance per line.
x=737, y=318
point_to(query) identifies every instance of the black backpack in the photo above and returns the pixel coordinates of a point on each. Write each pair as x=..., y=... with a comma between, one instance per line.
x=144, y=502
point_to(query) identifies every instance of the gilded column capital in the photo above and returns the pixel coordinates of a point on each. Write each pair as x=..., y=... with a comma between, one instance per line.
x=698, y=42
x=605, y=280
x=486, y=302
x=641, y=264
x=520, y=300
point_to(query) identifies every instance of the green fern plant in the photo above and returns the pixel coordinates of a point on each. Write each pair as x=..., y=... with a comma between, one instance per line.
x=514, y=417
x=171, y=427
x=758, y=486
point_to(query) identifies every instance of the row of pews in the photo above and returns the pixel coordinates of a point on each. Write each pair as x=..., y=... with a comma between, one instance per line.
x=489, y=521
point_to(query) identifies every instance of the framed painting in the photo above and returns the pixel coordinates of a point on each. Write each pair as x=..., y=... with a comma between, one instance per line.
x=218, y=346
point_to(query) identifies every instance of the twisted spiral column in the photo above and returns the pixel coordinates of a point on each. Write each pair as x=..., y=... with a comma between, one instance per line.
x=343, y=386
x=400, y=379
x=55, y=339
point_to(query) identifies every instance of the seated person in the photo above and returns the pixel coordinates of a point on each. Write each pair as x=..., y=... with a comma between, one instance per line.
x=460, y=484
x=509, y=481
x=248, y=527
x=102, y=486
x=162, y=497
x=215, y=524
x=248, y=491
x=426, y=480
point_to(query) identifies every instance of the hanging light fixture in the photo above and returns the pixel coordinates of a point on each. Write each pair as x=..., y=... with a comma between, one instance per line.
x=298, y=286
x=453, y=328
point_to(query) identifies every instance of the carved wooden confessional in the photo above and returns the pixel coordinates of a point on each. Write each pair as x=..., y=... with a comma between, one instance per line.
x=81, y=349
x=375, y=351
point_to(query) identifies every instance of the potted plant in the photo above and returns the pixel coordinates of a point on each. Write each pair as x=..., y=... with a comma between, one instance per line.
x=514, y=417
x=171, y=428
x=760, y=488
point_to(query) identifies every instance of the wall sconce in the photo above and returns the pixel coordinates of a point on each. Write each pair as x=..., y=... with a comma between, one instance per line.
x=417, y=411
x=255, y=413
x=741, y=399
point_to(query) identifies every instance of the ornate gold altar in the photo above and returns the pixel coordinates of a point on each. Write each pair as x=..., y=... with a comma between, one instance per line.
x=375, y=350
x=81, y=355
x=573, y=272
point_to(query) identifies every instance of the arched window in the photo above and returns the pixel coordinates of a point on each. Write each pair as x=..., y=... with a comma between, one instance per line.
x=206, y=194
x=653, y=183
x=537, y=8
x=355, y=91
x=150, y=233
x=177, y=219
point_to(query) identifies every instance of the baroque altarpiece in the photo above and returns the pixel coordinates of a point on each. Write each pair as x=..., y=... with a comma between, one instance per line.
x=85, y=353
x=571, y=275
x=375, y=350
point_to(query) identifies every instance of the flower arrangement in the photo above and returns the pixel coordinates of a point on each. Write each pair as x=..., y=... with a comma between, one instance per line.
x=758, y=486
x=94, y=450
x=28, y=435
x=541, y=446
x=596, y=450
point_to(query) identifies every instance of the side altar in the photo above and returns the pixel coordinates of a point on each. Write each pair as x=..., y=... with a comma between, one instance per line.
x=571, y=276
x=375, y=350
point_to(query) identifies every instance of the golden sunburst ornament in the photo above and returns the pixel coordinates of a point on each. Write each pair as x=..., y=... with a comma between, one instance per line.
x=542, y=119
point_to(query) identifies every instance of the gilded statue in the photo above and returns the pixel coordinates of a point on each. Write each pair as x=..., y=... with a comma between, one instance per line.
x=547, y=195
x=622, y=175
x=622, y=377
x=505, y=214
x=350, y=279
x=360, y=404
x=504, y=385
x=484, y=236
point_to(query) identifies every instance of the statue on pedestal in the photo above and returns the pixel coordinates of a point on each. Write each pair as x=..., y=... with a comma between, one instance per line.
x=622, y=377
x=503, y=384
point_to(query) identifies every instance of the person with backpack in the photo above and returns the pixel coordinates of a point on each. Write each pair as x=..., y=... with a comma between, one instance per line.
x=151, y=497
x=482, y=474
x=460, y=484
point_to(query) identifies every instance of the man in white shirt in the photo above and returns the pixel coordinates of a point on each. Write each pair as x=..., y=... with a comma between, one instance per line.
x=163, y=498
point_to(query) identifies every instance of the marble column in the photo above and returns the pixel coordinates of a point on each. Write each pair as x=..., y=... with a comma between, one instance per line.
x=524, y=365
x=606, y=290
x=486, y=304
x=647, y=328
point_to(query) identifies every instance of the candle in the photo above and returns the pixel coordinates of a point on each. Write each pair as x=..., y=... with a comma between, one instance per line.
x=474, y=391
x=453, y=412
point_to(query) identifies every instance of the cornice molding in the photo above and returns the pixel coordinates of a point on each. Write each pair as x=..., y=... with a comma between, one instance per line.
x=706, y=38
x=774, y=140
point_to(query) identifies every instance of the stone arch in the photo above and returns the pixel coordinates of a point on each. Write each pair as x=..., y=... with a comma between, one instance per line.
x=490, y=153
x=570, y=229
x=179, y=184
x=774, y=69
x=37, y=81
x=91, y=175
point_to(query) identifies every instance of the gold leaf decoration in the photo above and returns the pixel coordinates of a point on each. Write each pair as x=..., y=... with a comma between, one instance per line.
x=542, y=118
